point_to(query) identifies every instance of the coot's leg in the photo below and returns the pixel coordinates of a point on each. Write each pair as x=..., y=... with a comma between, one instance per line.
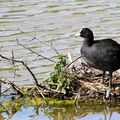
x=110, y=81
x=110, y=85
x=102, y=80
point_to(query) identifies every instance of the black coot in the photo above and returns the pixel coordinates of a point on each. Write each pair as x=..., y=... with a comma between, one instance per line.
x=101, y=54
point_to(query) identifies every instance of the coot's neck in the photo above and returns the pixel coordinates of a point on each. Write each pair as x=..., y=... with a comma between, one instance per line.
x=88, y=41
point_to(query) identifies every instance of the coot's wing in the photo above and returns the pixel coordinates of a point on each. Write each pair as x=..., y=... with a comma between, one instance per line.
x=107, y=53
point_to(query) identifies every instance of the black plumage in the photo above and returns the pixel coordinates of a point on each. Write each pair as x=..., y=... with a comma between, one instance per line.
x=101, y=54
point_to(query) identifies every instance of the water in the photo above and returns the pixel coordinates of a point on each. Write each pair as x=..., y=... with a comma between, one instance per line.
x=65, y=113
x=51, y=21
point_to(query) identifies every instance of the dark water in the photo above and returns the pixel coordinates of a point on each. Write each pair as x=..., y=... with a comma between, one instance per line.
x=52, y=21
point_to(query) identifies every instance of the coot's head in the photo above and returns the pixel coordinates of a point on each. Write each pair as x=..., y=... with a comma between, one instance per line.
x=86, y=33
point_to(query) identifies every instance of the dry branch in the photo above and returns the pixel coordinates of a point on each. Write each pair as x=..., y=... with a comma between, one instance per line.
x=15, y=87
x=55, y=49
x=19, y=61
x=42, y=94
x=34, y=51
x=73, y=61
x=35, y=79
x=34, y=37
x=0, y=88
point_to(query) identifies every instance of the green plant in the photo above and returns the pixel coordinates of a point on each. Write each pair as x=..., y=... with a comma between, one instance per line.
x=61, y=79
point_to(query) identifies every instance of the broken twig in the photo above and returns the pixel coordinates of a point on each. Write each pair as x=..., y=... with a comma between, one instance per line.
x=34, y=51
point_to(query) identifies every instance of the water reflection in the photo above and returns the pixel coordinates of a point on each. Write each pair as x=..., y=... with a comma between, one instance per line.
x=66, y=112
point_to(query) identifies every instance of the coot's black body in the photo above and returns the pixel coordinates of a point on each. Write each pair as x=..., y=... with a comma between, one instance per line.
x=101, y=54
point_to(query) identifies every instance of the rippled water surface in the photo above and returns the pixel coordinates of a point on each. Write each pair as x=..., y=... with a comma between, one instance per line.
x=50, y=21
